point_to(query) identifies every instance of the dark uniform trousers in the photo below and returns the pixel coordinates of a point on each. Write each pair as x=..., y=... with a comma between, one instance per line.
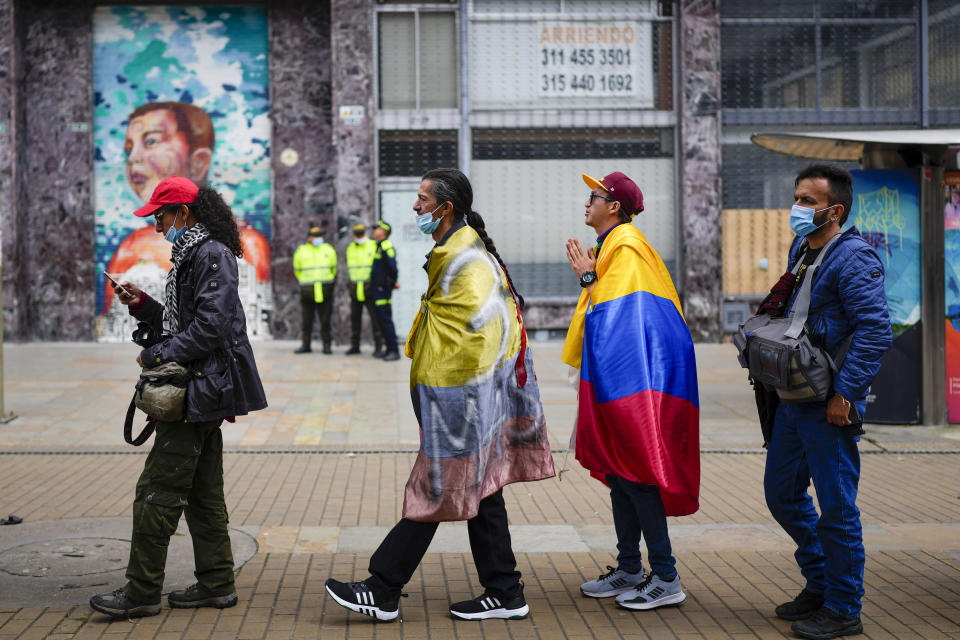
x=183, y=474
x=309, y=307
x=384, y=314
x=356, y=316
x=400, y=553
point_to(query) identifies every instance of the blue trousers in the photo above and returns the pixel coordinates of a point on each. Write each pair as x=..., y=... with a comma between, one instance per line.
x=830, y=551
x=638, y=512
x=384, y=316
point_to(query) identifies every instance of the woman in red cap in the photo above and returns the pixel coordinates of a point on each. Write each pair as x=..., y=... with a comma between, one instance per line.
x=201, y=325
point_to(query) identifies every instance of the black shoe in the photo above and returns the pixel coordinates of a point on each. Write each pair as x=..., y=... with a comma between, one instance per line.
x=391, y=355
x=352, y=351
x=302, y=349
x=195, y=596
x=118, y=605
x=365, y=598
x=801, y=607
x=379, y=353
x=327, y=350
x=490, y=605
x=825, y=624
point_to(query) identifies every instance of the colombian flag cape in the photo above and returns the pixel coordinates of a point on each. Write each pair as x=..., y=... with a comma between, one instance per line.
x=473, y=387
x=639, y=410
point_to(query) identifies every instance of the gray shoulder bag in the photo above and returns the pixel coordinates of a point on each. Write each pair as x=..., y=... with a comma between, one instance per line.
x=778, y=352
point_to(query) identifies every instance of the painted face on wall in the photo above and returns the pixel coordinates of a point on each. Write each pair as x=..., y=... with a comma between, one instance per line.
x=156, y=149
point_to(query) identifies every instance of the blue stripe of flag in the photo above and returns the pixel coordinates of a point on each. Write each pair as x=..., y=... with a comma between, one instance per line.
x=643, y=343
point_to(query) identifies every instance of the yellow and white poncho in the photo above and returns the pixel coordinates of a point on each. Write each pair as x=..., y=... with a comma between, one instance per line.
x=473, y=387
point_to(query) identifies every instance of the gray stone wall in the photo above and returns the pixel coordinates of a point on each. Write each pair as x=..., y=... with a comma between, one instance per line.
x=51, y=294
x=353, y=73
x=8, y=203
x=699, y=78
x=301, y=114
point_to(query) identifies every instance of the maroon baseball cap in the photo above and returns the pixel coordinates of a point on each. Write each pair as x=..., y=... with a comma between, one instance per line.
x=623, y=189
x=175, y=190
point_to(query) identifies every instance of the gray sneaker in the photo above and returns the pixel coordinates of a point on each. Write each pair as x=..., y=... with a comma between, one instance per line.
x=652, y=593
x=614, y=582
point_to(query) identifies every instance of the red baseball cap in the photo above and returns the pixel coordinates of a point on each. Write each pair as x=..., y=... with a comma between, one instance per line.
x=175, y=190
x=623, y=189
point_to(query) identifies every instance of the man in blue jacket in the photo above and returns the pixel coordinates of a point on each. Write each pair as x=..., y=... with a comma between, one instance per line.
x=818, y=440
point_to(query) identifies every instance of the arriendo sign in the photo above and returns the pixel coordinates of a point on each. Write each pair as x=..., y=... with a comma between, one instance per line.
x=587, y=34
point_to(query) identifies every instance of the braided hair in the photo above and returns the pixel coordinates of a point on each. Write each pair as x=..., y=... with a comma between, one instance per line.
x=210, y=209
x=450, y=185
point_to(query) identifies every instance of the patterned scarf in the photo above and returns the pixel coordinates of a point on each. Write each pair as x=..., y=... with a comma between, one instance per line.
x=181, y=249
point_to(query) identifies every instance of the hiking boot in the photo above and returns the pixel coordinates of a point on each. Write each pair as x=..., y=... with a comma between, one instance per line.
x=800, y=608
x=825, y=624
x=490, y=605
x=352, y=351
x=365, y=598
x=653, y=592
x=612, y=583
x=391, y=356
x=118, y=605
x=195, y=596
x=302, y=349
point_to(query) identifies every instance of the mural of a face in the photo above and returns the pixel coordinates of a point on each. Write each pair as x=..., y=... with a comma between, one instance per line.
x=156, y=148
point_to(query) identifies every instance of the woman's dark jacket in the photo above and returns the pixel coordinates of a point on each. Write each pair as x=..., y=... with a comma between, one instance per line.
x=212, y=342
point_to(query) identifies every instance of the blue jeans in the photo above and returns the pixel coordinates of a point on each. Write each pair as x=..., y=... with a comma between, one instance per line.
x=638, y=511
x=830, y=552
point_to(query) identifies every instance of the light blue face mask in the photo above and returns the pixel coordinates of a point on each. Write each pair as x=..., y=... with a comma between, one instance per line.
x=426, y=222
x=173, y=234
x=317, y=242
x=801, y=219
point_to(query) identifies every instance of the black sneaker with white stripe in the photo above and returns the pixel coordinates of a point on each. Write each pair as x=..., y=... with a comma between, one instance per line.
x=364, y=598
x=490, y=605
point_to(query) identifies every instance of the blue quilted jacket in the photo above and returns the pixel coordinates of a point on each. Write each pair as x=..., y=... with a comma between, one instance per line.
x=848, y=298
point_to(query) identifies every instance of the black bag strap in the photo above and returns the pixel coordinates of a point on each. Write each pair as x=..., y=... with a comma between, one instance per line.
x=801, y=306
x=128, y=427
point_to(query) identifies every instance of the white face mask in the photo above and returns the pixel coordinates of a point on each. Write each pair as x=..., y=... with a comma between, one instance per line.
x=317, y=241
x=360, y=240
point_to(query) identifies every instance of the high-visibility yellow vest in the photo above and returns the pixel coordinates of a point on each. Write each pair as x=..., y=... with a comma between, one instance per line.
x=313, y=264
x=360, y=259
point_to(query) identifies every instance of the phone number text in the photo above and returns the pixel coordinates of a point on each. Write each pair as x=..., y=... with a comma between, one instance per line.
x=586, y=83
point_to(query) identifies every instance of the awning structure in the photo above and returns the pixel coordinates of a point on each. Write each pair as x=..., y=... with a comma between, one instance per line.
x=848, y=146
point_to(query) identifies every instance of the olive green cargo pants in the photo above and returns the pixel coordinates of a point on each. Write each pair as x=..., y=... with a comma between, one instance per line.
x=183, y=474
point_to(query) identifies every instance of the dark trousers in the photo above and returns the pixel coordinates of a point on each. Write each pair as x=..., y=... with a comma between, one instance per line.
x=183, y=474
x=384, y=315
x=309, y=308
x=400, y=553
x=638, y=513
x=830, y=549
x=356, y=316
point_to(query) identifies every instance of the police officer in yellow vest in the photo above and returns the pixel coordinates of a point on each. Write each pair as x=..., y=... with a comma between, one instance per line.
x=315, y=265
x=383, y=279
x=360, y=254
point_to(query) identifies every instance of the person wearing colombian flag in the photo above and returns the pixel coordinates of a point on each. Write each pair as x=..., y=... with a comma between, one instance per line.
x=476, y=398
x=638, y=414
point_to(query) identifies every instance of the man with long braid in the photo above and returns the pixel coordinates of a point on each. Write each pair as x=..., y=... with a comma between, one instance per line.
x=475, y=396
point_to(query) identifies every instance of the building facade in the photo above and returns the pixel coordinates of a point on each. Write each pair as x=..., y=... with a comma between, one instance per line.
x=329, y=111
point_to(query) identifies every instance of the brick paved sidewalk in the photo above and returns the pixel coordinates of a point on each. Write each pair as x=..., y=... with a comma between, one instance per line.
x=320, y=515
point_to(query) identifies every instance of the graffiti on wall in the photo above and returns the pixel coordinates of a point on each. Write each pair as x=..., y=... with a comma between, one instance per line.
x=886, y=210
x=951, y=261
x=179, y=91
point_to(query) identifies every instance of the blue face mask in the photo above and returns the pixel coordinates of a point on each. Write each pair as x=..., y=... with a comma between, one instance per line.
x=173, y=234
x=801, y=219
x=317, y=242
x=426, y=222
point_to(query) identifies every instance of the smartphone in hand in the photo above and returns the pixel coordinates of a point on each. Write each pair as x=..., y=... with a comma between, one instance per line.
x=117, y=284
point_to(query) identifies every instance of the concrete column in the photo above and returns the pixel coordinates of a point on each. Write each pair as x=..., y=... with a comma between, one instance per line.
x=303, y=160
x=353, y=140
x=699, y=81
x=54, y=176
x=9, y=55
